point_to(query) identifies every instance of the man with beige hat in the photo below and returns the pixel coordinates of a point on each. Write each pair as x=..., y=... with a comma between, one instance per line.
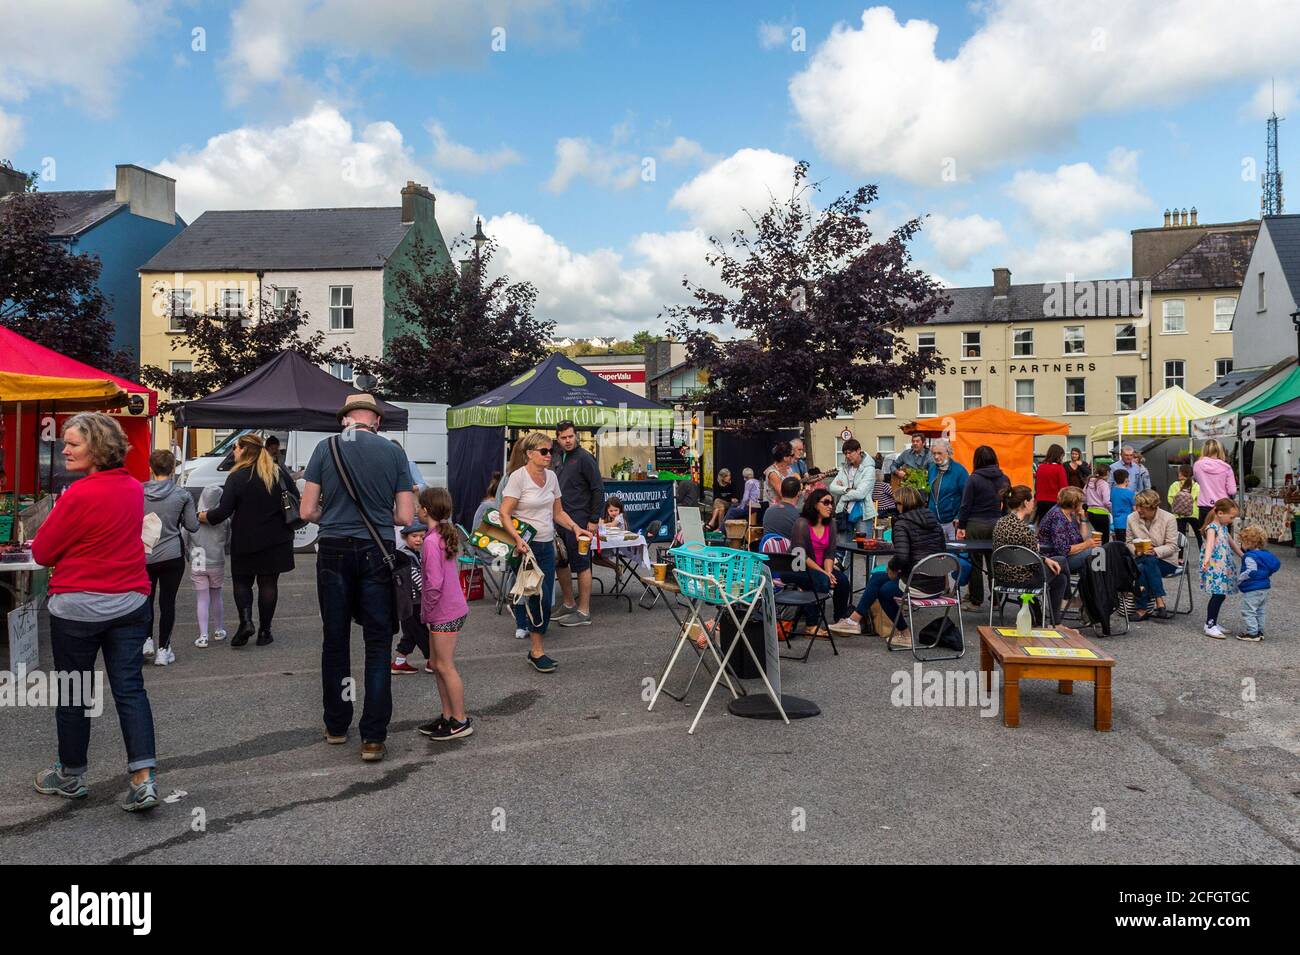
x=352, y=579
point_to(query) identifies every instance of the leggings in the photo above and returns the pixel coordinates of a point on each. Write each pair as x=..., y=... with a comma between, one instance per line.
x=209, y=601
x=1212, y=609
x=164, y=580
x=1100, y=522
x=268, y=592
x=1194, y=525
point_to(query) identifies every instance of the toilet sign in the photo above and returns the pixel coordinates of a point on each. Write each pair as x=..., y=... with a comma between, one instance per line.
x=846, y=435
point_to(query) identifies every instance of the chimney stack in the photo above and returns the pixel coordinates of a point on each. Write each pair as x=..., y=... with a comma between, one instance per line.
x=417, y=203
x=1001, y=283
x=11, y=180
x=1193, y=215
x=1184, y=215
x=1166, y=218
x=148, y=194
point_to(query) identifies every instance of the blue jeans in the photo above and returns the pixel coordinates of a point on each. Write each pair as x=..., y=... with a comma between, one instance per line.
x=882, y=589
x=1151, y=571
x=1253, y=605
x=820, y=584
x=540, y=606
x=76, y=643
x=352, y=581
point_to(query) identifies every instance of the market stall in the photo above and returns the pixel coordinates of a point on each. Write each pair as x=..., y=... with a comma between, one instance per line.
x=1009, y=433
x=625, y=430
x=1166, y=414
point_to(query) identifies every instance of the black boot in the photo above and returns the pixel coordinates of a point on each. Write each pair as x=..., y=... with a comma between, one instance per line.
x=246, y=628
x=264, y=636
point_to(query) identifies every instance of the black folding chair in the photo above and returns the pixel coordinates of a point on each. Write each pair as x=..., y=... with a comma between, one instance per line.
x=1184, y=575
x=789, y=597
x=936, y=565
x=1002, y=591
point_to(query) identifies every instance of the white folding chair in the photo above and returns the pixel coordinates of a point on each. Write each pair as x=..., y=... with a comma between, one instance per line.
x=690, y=526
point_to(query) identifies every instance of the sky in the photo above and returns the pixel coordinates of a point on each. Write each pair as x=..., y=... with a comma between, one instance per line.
x=604, y=141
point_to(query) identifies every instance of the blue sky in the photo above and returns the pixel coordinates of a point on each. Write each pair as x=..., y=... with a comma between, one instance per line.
x=1036, y=134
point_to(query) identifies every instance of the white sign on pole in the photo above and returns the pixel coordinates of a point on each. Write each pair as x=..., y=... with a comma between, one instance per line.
x=24, y=645
x=1218, y=426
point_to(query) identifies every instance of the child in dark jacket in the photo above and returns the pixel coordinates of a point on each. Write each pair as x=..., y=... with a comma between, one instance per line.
x=1258, y=564
x=414, y=632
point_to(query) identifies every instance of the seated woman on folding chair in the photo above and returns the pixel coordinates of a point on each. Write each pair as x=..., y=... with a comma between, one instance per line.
x=1064, y=533
x=1148, y=522
x=917, y=535
x=1014, y=528
x=750, y=498
x=814, y=533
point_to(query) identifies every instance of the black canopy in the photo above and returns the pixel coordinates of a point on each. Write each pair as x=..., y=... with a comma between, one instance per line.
x=288, y=393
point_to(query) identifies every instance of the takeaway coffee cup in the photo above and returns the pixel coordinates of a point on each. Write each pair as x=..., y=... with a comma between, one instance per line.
x=661, y=572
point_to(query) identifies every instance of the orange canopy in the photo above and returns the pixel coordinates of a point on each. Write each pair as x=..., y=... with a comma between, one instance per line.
x=1009, y=433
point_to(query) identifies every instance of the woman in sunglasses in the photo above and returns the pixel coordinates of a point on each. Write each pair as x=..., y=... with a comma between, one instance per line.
x=532, y=495
x=814, y=532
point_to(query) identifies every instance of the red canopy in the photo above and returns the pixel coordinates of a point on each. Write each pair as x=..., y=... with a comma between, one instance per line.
x=25, y=357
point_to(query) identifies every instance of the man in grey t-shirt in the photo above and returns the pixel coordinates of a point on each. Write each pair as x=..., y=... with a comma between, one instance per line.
x=781, y=515
x=352, y=580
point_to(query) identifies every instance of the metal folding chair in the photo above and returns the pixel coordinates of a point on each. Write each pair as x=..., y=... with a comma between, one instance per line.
x=1184, y=575
x=1000, y=592
x=790, y=597
x=936, y=565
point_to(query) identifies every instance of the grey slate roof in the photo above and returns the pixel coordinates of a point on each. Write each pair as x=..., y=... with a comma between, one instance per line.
x=79, y=210
x=1285, y=233
x=283, y=239
x=1237, y=383
x=1217, y=260
x=1041, y=302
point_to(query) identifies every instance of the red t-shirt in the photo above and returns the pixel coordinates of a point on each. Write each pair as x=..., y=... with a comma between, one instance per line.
x=1048, y=481
x=92, y=537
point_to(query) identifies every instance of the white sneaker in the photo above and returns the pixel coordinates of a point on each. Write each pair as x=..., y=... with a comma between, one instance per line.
x=847, y=627
x=202, y=641
x=148, y=646
x=219, y=635
x=1215, y=632
x=520, y=633
x=160, y=658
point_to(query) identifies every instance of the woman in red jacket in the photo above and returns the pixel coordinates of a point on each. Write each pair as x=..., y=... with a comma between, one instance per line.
x=1048, y=481
x=99, y=600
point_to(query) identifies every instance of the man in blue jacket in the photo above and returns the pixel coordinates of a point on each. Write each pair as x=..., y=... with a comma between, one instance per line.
x=947, y=481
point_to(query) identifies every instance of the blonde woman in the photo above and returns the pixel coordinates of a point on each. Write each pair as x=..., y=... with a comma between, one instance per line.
x=1214, y=475
x=261, y=543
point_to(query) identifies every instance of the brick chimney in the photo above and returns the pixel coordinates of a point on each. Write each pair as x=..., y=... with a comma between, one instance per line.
x=1001, y=283
x=417, y=203
x=149, y=194
x=11, y=180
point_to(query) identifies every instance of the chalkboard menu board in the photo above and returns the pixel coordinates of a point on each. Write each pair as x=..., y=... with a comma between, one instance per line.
x=670, y=457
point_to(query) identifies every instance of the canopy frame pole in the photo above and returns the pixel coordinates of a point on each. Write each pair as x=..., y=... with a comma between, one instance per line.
x=18, y=467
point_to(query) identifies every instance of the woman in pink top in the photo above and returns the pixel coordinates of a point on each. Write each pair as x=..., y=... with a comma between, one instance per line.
x=1096, y=498
x=443, y=610
x=814, y=532
x=1215, y=476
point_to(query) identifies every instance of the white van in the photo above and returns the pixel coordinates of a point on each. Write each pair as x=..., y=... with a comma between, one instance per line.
x=425, y=443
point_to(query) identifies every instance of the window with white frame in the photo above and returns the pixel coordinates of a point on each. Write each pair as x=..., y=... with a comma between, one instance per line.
x=885, y=444
x=1126, y=338
x=1175, y=373
x=884, y=407
x=1079, y=441
x=1223, y=310
x=182, y=367
x=927, y=400
x=1074, y=341
x=341, y=371
x=1222, y=368
x=232, y=303
x=925, y=342
x=340, y=308
x=1126, y=393
x=286, y=297
x=972, y=395
x=1025, y=395
x=971, y=345
x=1076, y=401
x=1022, y=343
x=181, y=307
x=1175, y=316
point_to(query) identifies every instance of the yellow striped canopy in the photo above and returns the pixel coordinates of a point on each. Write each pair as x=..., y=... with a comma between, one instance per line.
x=1168, y=413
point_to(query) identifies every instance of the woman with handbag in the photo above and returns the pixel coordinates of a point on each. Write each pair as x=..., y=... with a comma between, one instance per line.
x=532, y=495
x=261, y=502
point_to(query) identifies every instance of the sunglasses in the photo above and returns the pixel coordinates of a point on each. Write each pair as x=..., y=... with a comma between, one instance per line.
x=545, y=451
x=824, y=502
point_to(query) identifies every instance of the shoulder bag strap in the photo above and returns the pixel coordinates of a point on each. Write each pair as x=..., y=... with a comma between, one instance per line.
x=345, y=476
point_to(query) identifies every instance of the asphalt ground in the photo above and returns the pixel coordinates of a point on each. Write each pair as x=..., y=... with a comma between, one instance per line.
x=1203, y=765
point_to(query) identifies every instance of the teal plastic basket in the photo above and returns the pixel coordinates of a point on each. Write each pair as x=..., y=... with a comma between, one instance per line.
x=724, y=571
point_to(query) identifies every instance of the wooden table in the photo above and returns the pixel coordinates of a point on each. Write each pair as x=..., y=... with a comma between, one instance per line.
x=1018, y=664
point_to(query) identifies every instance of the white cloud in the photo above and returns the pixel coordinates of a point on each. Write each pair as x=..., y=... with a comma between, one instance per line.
x=580, y=158
x=461, y=158
x=683, y=150
x=1270, y=96
x=957, y=241
x=1052, y=259
x=772, y=35
x=272, y=35
x=80, y=47
x=11, y=134
x=877, y=98
x=717, y=199
x=1077, y=195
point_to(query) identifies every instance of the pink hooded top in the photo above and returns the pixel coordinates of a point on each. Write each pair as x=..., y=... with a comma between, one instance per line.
x=441, y=599
x=1216, y=479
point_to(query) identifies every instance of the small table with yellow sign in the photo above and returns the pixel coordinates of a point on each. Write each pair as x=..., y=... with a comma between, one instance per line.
x=1060, y=654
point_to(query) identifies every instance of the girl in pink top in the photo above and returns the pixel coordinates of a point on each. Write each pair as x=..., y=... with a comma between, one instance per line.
x=1096, y=498
x=443, y=610
x=1215, y=476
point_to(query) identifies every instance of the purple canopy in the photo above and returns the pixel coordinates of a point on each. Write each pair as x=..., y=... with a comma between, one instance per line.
x=1279, y=421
